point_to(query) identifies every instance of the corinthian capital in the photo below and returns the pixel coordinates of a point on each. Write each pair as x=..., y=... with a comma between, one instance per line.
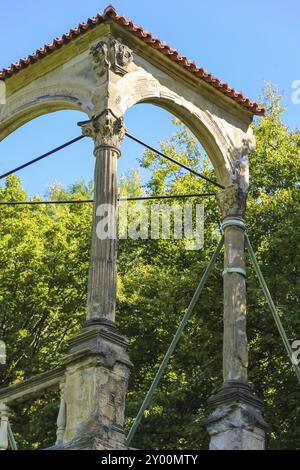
x=106, y=129
x=232, y=201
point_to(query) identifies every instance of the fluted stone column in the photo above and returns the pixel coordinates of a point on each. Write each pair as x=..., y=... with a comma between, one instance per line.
x=107, y=131
x=97, y=364
x=236, y=422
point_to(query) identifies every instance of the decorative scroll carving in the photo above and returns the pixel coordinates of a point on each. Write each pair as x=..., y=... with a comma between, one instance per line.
x=111, y=55
x=106, y=129
x=232, y=201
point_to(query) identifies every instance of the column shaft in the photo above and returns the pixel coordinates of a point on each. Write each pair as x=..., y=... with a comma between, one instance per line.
x=102, y=287
x=236, y=422
x=235, y=348
x=107, y=130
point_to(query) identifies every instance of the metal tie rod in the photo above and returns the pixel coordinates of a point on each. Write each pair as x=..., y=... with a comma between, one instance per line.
x=37, y=159
x=272, y=307
x=82, y=201
x=174, y=342
x=174, y=161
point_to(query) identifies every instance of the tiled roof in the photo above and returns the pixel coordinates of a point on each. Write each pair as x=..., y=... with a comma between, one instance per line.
x=110, y=14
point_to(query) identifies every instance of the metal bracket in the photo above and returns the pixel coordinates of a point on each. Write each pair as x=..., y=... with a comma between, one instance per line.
x=237, y=222
x=235, y=270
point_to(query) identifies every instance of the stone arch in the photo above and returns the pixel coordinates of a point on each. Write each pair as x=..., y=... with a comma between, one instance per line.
x=212, y=147
x=29, y=104
x=223, y=145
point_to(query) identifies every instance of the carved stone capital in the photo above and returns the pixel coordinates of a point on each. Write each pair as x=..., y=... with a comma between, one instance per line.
x=106, y=129
x=110, y=55
x=232, y=201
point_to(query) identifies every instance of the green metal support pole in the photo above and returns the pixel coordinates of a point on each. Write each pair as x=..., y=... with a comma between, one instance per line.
x=272, y=306
x=174, y=342
x=11, y=440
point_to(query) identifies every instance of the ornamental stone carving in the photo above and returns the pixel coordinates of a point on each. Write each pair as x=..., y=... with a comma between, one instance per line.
x=232, y=201
x=106, y=129
x=99, y=54
x=111, y=55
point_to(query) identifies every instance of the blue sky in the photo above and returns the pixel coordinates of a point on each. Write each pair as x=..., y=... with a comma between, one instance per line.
x=243, y=43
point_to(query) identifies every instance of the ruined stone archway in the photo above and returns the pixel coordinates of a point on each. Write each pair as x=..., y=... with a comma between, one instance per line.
x=66, y=75
x=104, y=67
x=226, y=143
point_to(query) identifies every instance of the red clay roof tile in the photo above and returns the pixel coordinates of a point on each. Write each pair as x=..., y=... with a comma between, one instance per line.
x=174, y=55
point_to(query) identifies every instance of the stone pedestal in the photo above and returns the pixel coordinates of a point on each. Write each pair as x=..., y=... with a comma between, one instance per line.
x=236, y=422
x=97, y=372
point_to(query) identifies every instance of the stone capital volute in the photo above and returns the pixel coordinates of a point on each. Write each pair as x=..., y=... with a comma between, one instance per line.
x=106, y=129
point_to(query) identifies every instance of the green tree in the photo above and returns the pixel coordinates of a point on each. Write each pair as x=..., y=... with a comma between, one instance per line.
x=44, y=265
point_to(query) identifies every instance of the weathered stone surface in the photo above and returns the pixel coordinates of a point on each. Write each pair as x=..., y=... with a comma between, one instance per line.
x=111, y=54
x=33, y=387
x=232, y=201
x=97, y=366
x=237, y=422
x=236, y=427
x=107, y=130
x=97, y=372
x=62, y=415
x=235, y=348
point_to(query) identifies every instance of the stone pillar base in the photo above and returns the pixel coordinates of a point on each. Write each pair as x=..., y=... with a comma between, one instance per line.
x=237, y=422
x=96, y=378
x=94, y=436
